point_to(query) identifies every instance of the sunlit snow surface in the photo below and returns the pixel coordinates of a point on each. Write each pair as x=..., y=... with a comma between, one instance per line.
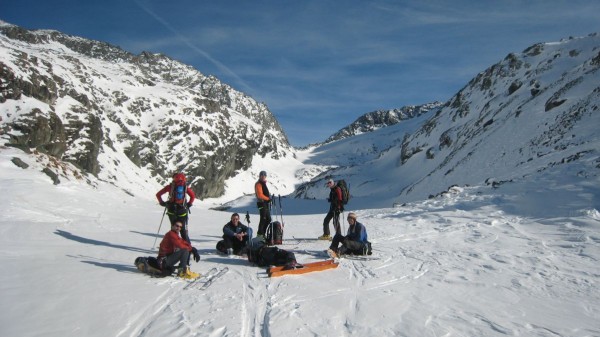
x=519, y=260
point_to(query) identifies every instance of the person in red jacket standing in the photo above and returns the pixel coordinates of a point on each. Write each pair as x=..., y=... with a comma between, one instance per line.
x=173, y=249
x=336, y=206
x=177, y=204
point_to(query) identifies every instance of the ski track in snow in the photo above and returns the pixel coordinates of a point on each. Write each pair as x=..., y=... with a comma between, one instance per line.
x=262, y=302
x=440, y=269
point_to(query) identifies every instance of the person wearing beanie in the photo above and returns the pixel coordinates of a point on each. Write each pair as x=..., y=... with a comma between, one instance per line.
x=263, y=203
x=335, y=208
x=355, y=242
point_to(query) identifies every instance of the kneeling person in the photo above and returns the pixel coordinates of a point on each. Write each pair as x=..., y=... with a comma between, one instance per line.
x=355, y=242
x=173, y=249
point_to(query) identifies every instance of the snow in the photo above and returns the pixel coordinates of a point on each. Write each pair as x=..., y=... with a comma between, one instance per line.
x=511, y=249
x=517, y=260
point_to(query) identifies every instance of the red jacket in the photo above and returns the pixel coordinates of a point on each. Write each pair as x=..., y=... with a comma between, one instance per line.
x=170, y=241
x=167, y=189
x=335, y=197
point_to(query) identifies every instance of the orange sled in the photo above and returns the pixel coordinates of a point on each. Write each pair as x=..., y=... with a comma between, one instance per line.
x=303, y=269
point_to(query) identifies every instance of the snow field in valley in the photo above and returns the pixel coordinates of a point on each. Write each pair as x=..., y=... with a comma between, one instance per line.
x=469, y=263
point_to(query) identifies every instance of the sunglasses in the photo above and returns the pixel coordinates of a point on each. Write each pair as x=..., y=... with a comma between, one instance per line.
x=177, y=226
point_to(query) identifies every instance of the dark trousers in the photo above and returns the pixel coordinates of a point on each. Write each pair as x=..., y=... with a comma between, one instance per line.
x=350, y=246
x=335, y=215
x=234, y=243
x=265, y=217
x=180, y=256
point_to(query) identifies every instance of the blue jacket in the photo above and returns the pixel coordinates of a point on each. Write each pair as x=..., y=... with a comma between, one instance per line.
x=358, y=232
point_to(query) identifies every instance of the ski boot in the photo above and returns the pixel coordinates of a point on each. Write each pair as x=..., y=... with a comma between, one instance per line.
x=187, y=274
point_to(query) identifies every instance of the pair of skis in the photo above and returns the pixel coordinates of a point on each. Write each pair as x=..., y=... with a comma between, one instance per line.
x=335, y=256
x=207, y=279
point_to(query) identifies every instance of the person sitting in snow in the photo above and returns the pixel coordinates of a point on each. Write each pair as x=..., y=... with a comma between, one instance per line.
x=355, y=242
x=173, y=249
x=236, y=236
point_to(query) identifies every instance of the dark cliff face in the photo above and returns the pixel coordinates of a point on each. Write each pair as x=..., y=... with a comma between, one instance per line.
x=95, y=105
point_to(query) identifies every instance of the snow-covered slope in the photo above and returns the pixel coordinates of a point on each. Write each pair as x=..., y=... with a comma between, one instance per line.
x=129, y=119
x=375, y=120
x=517, y=260
x=515, y=253
x=532, y=112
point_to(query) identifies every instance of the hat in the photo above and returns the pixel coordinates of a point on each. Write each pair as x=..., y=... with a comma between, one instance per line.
x=352, y=215
x=263, y=173
x=330, y=181
x=178, y=176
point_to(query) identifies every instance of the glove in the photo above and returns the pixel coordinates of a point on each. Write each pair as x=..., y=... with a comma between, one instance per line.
x=163, y=204
x=196, y=255
x=189, y=205
x=328, y=199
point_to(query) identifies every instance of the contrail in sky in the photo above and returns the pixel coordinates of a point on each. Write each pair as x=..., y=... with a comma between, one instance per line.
x=206, y=55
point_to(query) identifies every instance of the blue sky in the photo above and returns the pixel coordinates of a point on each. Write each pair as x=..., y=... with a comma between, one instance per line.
x=320, y=64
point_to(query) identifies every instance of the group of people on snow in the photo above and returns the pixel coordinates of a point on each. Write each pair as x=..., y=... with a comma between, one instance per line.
x=176, y=251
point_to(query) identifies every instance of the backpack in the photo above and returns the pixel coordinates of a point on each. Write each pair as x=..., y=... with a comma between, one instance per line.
x=272, y=256
x=178, y=189
x=221, y=247
x=345, y=191
x=149, y=265
x=274, y=234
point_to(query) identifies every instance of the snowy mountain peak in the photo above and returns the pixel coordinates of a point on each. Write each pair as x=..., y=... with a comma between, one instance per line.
x=129, y=119
x=381, y=118
x=532, y=112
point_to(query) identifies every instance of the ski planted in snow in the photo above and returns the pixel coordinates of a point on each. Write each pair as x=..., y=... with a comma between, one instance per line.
x=302, y=268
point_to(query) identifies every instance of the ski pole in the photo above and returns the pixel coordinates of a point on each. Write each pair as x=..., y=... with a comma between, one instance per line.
x=281, y=210
x=159, y=226
x=249, y=244
x=249, y=227
x=272, y=238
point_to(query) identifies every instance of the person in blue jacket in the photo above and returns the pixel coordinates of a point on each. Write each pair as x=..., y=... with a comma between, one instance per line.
x=356, y=240
x=236, y=236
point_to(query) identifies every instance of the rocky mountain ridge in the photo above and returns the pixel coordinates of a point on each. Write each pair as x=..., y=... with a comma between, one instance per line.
x=139, y=118
x=378, y=119
x=117, y=115
x=527, y=115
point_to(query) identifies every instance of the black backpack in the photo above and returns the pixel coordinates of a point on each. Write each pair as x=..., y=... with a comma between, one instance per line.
x=345, y=191
x=274, y=233
x=273, y=256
